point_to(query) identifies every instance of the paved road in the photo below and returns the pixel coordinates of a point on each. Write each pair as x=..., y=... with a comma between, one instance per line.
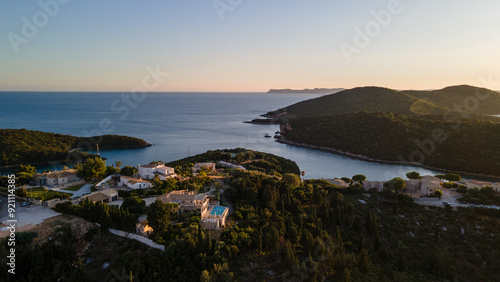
x=448, y=196
x=84, y=190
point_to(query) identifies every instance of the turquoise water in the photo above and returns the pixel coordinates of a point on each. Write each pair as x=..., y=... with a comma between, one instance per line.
x=218, y=210
x=179, y=125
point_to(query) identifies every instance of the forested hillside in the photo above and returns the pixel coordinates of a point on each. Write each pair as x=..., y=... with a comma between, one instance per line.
x=21, y=146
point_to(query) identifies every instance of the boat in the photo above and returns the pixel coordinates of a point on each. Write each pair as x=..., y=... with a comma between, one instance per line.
x=267, y=136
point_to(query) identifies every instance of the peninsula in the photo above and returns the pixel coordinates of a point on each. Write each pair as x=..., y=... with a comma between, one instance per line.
x=22, y=146
x=453, y=129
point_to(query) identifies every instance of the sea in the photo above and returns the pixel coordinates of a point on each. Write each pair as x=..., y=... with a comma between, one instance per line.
x=179, y=125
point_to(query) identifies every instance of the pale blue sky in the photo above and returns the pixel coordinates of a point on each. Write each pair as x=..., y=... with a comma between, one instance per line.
x=106, y=45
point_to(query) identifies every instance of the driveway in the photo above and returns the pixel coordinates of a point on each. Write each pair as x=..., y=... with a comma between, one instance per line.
x=448, y=196
x=83, y=191
x=27, y=217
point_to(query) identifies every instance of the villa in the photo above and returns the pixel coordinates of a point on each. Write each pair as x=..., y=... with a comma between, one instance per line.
x=149, y=171
x=103, y=196
x=187, y=201
x=212, y=216
x=54, y=178
x=134, y=183
x=215, y=219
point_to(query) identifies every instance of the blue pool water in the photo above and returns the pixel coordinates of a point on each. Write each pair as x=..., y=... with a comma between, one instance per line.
x=218, y=210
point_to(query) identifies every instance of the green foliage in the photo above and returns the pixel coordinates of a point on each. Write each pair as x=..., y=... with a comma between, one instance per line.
x=438, y=193
x=452, y=177
x=396, y=184
x=21, y=146
x=92, y=168
x=359, y=178
x=267, y=163
x=483, y=196
x=413, y=175
x=128, y=170
x=107, y=216
x=134, y=205
x=159, y=216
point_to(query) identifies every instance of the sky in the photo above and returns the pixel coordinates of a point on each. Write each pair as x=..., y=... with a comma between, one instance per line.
x=247, y=45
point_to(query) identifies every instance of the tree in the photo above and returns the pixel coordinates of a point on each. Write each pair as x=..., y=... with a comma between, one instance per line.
x=347, y=180
x=439, y=193
x=26, y=168
x=396, y=184
x=134, y=205
x=128, y=170
x=452, y=177
x=292, y=180
x=92, y=168
x=413, y=175
x=158, y=217
x=359, y=178
x=111, y=170
x=118, y=164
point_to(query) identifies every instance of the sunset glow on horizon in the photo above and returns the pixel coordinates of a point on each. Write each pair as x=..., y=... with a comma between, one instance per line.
x=247, y=46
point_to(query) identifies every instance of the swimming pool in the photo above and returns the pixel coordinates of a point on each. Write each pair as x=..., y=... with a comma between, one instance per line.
x=218, y=210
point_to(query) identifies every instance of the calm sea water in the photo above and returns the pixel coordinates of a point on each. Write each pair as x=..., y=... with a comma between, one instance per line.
x=179, y=125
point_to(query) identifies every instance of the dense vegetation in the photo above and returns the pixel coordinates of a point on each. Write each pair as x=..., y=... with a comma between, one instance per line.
x=286, y=229
x=107, y=216
x=472, y=147
x=264, y=162
x=21, y=146
x=452, y=128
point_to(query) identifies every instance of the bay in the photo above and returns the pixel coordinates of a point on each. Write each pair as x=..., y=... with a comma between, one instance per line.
x=179, y=125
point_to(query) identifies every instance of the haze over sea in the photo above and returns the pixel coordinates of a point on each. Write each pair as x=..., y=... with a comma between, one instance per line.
x=179, y=125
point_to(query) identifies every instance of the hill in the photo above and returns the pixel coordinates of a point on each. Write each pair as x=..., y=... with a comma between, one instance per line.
x=388, y=125
x=472, y=147
x=21, y=146
x=306, y=91
x=412, y=103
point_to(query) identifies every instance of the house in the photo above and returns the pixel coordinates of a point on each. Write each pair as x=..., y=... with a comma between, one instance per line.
x=54, y=178
x=413, y=186
x=149, y=171
x=187, y=200
x=215, y=219
x=143, y=229
x=379, y=185
x=199, y=166
x=103, y=196
x=134, y=183
x=429, y=185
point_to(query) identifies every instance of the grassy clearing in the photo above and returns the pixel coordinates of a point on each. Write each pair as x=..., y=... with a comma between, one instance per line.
x=74, y=188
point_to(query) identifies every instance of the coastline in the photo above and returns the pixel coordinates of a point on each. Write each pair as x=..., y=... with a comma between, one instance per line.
x=283, y=140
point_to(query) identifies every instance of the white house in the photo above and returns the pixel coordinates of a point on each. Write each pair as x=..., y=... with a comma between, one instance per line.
x=149, y=171
x=134, y=183
x=429, y=185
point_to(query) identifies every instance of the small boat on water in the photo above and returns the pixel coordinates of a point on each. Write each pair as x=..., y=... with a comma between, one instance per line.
x=267, y=136
x=277, y=132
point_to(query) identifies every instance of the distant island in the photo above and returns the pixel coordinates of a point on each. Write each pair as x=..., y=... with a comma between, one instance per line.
x=454, y=129
x=306, y=91
x=22, y=146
